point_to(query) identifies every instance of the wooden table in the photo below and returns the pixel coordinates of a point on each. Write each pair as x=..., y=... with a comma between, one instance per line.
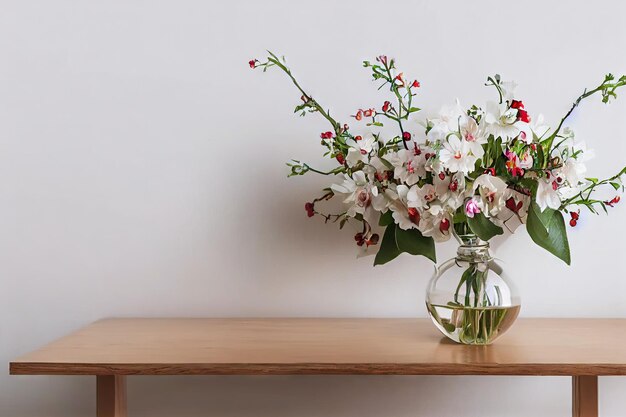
x=114, y=348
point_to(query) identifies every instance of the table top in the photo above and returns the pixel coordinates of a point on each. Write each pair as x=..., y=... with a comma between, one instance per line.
x=327, y=346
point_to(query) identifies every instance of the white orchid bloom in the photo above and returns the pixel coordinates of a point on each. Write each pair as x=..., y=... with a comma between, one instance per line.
x=456, y=155
x=360, y=150
x=473, y=134
x=360, y=195
x=508, y=90
x=409, y=167
x=492, y=192
x=547, y=195
x=437, y=223
x=450, y=189
x=446, y=122
x=406, y=209
x=500, y=120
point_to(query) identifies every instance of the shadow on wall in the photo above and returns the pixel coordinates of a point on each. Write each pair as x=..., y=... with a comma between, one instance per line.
x=328, y=396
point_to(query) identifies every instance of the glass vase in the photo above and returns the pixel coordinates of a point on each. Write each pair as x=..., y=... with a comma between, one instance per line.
x=470, y=298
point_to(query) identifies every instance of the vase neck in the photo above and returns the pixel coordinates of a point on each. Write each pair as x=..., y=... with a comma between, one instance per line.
x=472, y=248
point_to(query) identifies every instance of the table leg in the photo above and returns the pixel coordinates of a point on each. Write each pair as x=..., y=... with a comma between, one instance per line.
x=585, y=396
x=111, y=396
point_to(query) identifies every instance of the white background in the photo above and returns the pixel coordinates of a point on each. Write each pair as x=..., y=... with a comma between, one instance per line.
x=142, y=174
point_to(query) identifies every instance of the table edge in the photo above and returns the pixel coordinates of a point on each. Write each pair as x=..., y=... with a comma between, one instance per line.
x=530, y=369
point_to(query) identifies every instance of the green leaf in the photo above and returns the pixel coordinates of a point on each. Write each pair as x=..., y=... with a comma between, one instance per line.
x=483, y=227
x=388, y=248
x=616, y=185
x=386, y=218
x=547, y=229
x=413, y=242
x=414, y=109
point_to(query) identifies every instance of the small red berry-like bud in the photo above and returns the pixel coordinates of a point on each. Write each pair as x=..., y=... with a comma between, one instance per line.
x=416, y=84
x=310, y=209
x=359, y=115
x=516, y=104
x=252, y=63
x=340, y=158
x=442, y=176
x=358, y=137
x=522, y=115
x=368, y=112
x=533, y=146
x=573, y=222
x=414, y=215
x=444, y=225
x=406, y=136
x=574, y=215
x=386, y=106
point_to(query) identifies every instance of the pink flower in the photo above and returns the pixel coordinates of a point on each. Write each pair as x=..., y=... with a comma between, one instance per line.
x=471, y=207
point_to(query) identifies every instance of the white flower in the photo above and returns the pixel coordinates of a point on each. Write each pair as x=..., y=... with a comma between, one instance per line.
x=473, y=135
x=501, y=120
x=508, y=90
x=547, y=195
x=492, y=192
x=456, y=155
x=437, y=222
x=409, y=166
x=448, y=121
x=406, y=208
x=360, y=150
x=515, y=211
x=359, y=195
x=450, y=189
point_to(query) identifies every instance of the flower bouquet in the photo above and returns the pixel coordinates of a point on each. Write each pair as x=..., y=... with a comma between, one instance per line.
x=470, y=172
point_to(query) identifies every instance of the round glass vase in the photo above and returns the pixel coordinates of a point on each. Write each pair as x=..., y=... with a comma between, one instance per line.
x=470, y=297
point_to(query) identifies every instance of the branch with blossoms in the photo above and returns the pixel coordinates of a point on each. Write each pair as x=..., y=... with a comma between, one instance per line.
x=475, y=171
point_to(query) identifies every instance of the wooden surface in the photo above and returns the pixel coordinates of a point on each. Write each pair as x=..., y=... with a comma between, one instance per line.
x=327, y=346
x=111, y=396
x=585, y=396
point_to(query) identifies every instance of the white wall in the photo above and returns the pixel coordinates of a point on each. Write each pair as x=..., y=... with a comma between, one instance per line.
x=142, y=174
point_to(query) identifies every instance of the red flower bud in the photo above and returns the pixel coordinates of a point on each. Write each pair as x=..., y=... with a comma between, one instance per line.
x=310, y=209
x=326, y=135
x=613, y=201
x=359, y=115
x=368, y=112
x=340, y=158
x=252, y=63
x=522, y=115
x=516, y=104
x=386, y=106
x=358, y=137
x=406, y=136
x=444, y=225
x=416, y=84
x=575, y=215
x=573, y=222
x=414, y=215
